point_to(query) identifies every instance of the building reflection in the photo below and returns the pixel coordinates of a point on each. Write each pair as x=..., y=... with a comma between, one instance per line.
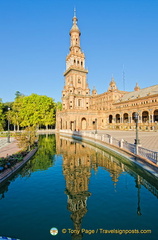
x=76, y=169
x=79, y=159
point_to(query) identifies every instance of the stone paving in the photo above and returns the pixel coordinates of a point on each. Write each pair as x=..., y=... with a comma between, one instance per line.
x=148, y=140
x=6, y=148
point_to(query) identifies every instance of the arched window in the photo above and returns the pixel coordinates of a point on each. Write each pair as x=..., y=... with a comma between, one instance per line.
x=117, y=118
x=133, y=116
x=125, y=117
x=145, y=116
x=83, y=123
x=79, y=102
x=156, y=115
x=110, y=118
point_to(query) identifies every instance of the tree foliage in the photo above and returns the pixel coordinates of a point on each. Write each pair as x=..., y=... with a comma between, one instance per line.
x=58, y=106
x=34, y=110
x=18, y=94
x=1, y=115
x=27, y=138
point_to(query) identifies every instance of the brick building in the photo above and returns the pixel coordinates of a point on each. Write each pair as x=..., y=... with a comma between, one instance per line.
x=113, y=109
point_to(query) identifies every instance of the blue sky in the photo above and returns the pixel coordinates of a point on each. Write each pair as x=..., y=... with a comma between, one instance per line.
x=34, y=42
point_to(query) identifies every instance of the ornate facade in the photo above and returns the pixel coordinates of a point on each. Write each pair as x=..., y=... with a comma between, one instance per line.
x=113, y=109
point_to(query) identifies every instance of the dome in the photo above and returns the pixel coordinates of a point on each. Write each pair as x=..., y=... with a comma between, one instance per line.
x=74, y=26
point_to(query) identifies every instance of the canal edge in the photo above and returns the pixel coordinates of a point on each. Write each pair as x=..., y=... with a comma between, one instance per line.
x=19, y=165
x=128, y=156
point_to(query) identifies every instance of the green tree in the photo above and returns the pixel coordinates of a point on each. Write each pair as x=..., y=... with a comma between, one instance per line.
x=27, y=138
x=18, y=94
x=14, y=113
x=33, y=110
x=58, y=106
x=2, y=116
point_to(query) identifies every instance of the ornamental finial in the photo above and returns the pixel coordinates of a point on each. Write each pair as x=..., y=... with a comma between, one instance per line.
x=74, y=12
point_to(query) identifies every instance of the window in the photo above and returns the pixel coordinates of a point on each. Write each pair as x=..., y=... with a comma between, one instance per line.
x=79, y=102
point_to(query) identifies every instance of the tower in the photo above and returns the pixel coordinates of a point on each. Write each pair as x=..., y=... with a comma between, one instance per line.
x=112, y=85
x=76, y=92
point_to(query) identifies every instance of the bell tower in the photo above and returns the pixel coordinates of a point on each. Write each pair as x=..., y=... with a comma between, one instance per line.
x=76, y=92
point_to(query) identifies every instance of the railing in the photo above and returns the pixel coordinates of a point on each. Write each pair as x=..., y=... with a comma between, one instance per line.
x=129, y=146
x=116, y=142
x=148, y=154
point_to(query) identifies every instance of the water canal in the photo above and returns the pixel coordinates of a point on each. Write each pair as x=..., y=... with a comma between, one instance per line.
x=73, y=186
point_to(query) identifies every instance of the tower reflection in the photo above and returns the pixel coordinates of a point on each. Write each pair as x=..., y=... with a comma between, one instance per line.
x=76, y=169
x=78, y=162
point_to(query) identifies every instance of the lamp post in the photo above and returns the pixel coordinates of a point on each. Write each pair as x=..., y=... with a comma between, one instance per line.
x=137, y=141
x=8, y=138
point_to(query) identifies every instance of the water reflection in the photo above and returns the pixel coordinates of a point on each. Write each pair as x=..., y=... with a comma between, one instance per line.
x=43, y=159
x=3, y=189
x=79, y=159
x=138, y=185
x=76, y=169
x=82, y=166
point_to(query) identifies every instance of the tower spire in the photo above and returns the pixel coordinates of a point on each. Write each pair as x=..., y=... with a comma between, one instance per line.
x=74, y=26
x=74, y=12
x=76, y=93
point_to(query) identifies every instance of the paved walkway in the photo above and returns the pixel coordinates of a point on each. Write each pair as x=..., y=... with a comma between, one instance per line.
x=148, y=140
x=8, y=148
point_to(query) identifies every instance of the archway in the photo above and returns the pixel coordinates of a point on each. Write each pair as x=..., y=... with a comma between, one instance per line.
x=125, y=117
x=72, y=125
x=145, y=116
x=61, y=123
x=83, y=123
x=133, y=116
x=156, y=115
x=110, y=118
x=117, y=118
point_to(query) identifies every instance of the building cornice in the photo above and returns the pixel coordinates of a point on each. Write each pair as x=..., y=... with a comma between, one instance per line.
x=75, y=69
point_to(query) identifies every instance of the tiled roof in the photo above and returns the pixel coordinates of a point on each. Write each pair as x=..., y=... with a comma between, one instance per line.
x=139, y=94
